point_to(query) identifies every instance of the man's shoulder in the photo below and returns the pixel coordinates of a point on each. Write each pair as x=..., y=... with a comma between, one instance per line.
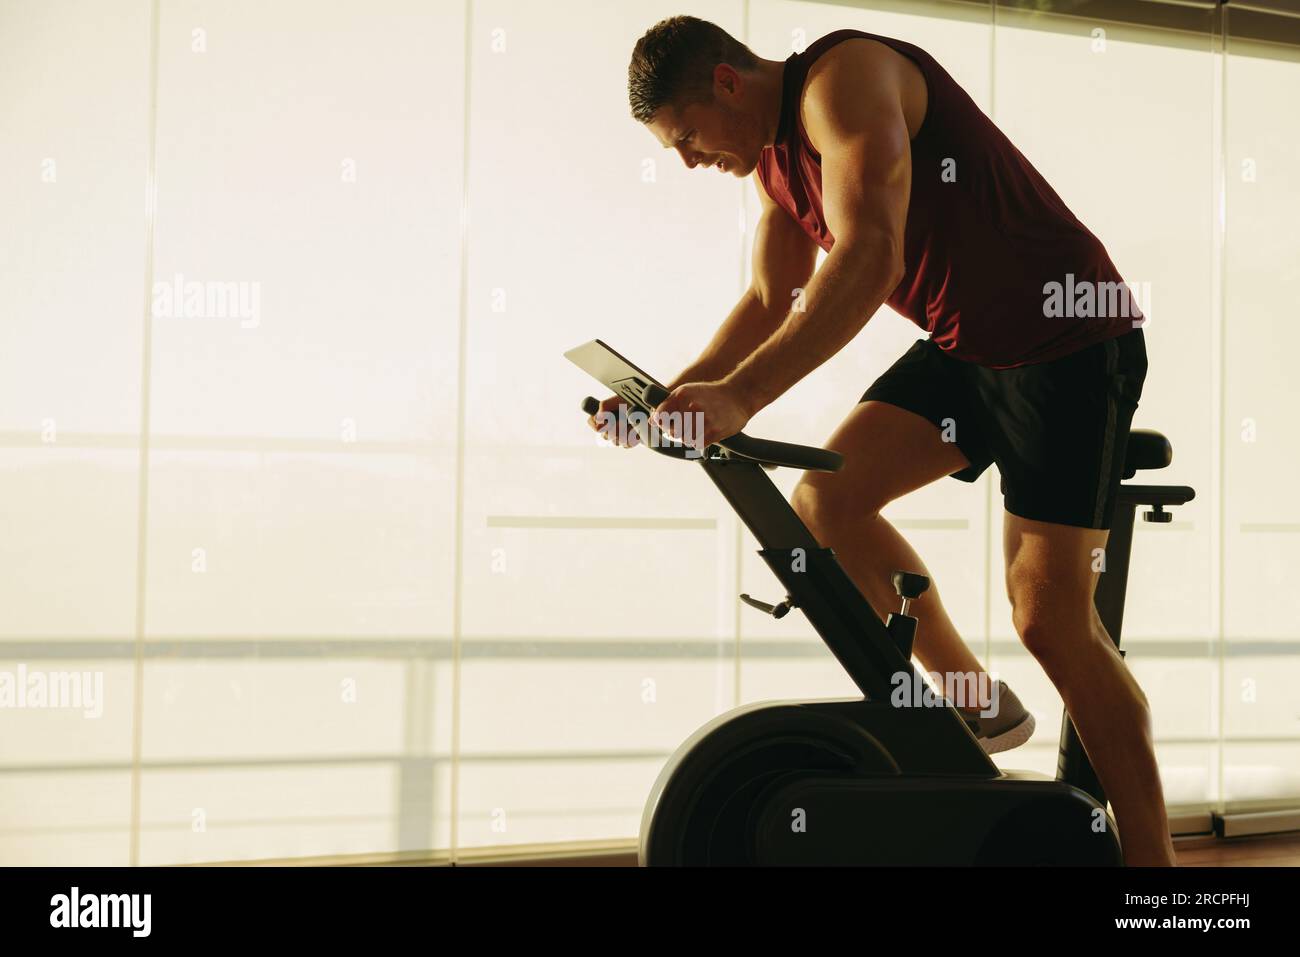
x=855, y=75
x=851, y=60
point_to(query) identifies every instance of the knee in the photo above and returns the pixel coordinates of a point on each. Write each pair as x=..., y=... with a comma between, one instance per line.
x=824, y=508
x=1031, y=613
x=1060, y=639
x=1034, y=620
x=810, y=504
x=1038, y=633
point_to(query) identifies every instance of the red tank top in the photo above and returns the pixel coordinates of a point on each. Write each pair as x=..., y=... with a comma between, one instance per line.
x=981, y=251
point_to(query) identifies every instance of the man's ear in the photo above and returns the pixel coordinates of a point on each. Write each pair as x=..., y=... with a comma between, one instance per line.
x=725, y=78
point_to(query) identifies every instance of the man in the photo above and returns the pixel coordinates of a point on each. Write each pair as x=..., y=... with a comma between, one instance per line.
x=865, y=146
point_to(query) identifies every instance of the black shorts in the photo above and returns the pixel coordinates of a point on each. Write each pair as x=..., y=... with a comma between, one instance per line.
x=1057, y=430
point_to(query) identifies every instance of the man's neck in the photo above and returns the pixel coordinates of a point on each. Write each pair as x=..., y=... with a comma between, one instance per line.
x=769, y=84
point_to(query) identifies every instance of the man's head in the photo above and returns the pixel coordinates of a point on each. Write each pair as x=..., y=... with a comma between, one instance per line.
x=693, y=85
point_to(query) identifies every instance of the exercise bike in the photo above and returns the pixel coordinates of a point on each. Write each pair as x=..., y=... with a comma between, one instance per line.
x=862, y=781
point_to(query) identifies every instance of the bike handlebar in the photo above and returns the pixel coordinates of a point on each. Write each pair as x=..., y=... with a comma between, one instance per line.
x=765, y=452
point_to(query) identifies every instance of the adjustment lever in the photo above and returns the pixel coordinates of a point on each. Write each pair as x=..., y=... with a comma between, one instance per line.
x=776, y=611
x=1158, y=514
x=909, y=586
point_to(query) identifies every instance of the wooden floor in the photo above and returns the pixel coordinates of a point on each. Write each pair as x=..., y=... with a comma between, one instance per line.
x=1280, y=850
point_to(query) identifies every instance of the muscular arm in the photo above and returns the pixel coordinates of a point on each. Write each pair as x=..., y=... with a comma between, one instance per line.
x=783, y=260
x=854, y=116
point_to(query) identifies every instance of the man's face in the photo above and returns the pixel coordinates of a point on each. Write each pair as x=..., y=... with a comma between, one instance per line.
x=717, y=135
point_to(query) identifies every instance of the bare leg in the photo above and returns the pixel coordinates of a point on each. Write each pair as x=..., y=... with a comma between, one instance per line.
x=1051, y=584
x=888, y=452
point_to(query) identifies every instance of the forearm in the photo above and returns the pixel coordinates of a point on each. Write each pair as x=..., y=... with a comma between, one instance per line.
x=749, y=325
x=852, y=283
